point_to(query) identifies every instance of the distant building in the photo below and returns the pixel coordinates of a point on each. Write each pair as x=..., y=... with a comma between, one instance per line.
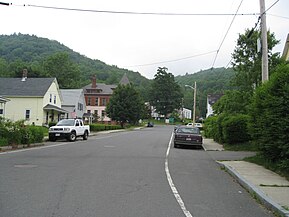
x=73, y=102
x=211, y=100
x=286, y=49
x=97, y=96
x=185, y=113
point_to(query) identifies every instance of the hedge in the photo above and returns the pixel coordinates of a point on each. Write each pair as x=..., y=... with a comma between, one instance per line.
x=102, y=127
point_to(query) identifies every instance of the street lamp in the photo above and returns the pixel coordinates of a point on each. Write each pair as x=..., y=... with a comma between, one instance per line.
x=195, y=96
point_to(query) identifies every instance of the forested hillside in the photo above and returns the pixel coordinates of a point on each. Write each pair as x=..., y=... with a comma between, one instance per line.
x=216, y=80
x=19, y=50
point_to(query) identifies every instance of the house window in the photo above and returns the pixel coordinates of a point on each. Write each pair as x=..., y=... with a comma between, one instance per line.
x=88, y=101
x=96, y=101
x=50, y=99
x=80, y=106
x=103, y=102
x=1, y=112
x=103, y=113
x=54, y=99
x=88, y=111
x=27, y=114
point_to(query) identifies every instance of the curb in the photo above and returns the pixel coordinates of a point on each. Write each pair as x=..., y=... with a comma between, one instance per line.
x=262, y=197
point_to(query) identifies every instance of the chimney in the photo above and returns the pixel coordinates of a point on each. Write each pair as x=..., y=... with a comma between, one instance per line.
x=93, y=81
x=24, y=75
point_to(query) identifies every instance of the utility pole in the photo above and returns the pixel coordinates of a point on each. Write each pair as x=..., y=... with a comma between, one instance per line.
x=195, y=97
x=265, y=73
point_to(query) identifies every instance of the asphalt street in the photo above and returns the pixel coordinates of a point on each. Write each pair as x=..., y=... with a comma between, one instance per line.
x=120, y=174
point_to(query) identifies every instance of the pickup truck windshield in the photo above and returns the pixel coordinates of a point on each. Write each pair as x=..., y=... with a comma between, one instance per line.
x=65, y=123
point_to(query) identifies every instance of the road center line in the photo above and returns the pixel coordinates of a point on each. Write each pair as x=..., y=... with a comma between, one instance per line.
x=171, y=183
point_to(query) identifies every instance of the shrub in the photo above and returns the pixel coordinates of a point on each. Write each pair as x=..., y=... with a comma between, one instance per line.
x=269, y=117
x=235, y=129
x=36, y=134
x=210, y=126
x=102, y=127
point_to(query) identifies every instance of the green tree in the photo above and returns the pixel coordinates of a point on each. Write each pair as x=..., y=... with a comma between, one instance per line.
x=60, y=66
x=165, y=94
x=233, y=102
x=247, y=61
x=269, y=117
x=125, y=105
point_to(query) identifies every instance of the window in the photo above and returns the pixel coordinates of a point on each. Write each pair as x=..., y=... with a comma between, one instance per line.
x=1, y=112
x=27, y=114
x=88, y=101
x=96, y=101
x=54, y=99
x=103, y=113
x=50, y=99
x=80, y=106
x=88, y=111
x=103, y=102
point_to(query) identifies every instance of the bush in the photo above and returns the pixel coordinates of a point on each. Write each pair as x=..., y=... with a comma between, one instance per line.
x=102, y=127
x=269, y=117
x=209, y=126
x=235, y=129
x=37, y=134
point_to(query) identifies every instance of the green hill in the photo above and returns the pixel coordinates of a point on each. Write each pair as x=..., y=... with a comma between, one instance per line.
x=32, y=51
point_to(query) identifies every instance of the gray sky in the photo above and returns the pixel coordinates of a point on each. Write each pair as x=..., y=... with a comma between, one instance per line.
x=136, y=42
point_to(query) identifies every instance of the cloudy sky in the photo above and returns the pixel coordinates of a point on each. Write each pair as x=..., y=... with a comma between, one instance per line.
x=143, y=42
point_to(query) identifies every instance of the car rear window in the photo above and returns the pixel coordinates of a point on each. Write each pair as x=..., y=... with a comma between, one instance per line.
x=189, y=130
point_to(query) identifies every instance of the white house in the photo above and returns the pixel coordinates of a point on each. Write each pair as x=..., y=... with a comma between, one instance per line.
x=3, y=102
x=35, y=100
x=211, y=100
x=73, y=102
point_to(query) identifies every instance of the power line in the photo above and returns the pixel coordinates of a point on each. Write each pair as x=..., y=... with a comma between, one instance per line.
x=175, y=60
x=278, y=16
x=226, y=34
x=136, y=13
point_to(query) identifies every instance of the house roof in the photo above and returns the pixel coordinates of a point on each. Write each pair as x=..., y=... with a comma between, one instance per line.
x=124, y=80
x=3, y=99
x=101, y=88
x=35, y=87
x=70, y=96
x=55, y=108
x=213, y=98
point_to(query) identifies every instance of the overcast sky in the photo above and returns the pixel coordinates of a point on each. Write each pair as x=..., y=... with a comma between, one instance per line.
x=136, y=42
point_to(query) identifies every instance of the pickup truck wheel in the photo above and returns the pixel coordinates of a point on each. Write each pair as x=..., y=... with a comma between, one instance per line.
x=85, y=135
x=72, y=136
x=52, y=138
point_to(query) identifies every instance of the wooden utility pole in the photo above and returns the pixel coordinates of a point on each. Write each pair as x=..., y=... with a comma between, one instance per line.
x=195, y=97
x=265, y=72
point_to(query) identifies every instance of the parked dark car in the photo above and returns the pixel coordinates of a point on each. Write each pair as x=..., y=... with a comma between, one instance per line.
x=188, y=136
x=150, y=124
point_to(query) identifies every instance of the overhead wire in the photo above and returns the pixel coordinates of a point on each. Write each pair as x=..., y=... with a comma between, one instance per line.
x=218, y=50
x=174, y=60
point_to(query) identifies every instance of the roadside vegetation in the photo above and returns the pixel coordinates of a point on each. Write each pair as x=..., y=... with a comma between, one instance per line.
x=254, y=116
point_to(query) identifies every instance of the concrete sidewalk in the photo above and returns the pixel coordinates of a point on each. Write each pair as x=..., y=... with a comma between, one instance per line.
x=268, y=187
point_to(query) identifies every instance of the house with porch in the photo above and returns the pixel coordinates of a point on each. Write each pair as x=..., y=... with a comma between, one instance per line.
x=3, y=102
x=35, y=100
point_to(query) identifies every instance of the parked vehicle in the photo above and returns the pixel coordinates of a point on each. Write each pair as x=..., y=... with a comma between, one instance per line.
x=199, y=125
x=150, y=124
x=69, y=129
x=186, y=135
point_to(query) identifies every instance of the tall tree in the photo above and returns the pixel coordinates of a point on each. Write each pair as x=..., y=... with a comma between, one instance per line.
x=125, y=105
x=165, y=94
x=60, y=66
x=247, y=60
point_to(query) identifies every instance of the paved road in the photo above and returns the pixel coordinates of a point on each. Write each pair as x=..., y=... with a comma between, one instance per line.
x=120, y=174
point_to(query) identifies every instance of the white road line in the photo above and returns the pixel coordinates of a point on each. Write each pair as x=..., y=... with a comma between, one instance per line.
x=171, y=183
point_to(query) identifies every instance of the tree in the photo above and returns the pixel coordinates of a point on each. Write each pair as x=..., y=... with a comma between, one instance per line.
x=247, y=61
x=165, y=94
x=125, y=105
x=60, y=66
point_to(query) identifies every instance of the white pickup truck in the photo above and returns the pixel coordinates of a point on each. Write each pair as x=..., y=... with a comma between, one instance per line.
x=69, y=129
